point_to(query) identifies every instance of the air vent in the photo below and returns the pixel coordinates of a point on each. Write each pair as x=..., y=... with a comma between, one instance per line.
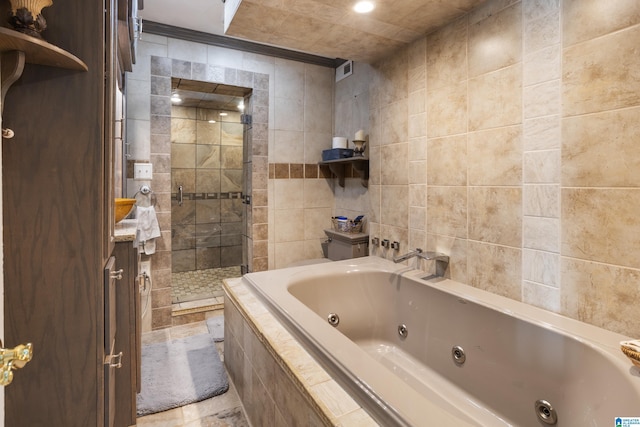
x=344, y=70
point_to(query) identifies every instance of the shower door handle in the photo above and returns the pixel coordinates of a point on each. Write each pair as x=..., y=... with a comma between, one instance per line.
x=180, y=195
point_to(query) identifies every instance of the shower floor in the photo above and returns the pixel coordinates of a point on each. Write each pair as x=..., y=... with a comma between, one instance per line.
x=200, y=284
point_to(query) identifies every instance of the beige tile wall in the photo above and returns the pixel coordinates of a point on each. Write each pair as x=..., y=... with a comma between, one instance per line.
x=509, y=140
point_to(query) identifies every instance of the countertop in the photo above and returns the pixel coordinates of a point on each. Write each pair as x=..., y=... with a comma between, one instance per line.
x=125, y=230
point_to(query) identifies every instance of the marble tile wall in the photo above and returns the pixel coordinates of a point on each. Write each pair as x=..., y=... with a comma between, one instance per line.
x=508, y=140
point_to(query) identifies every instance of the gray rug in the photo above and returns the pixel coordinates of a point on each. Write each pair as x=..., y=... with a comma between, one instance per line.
x=216, y=327
x=178, y=372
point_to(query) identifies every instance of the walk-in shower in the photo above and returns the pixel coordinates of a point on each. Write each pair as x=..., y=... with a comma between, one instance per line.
x=207, y=187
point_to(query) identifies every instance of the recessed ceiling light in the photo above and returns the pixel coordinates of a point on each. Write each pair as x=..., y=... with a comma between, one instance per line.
x=364, y=7
x=175, y=98
x=212, y=121
x=224, y=114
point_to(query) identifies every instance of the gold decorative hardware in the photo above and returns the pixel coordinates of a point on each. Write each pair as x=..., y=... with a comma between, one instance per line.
x=114, y=360
x=117, y=274
x=13, y=359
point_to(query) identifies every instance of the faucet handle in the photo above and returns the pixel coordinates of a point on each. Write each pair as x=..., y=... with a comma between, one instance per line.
x=395, y=245
x=375, y=241
x=385, y=243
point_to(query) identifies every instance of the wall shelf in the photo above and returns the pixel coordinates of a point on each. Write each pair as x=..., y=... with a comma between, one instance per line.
x=17, y=48
x=359, y=164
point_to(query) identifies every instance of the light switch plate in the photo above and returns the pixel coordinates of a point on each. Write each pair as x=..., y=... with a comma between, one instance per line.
x=142, y=171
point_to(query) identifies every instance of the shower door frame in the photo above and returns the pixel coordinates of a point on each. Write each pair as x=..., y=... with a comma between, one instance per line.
x=256, y=166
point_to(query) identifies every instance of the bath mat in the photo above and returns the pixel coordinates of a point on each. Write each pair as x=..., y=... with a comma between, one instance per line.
x=179, y=372
x=216, y=327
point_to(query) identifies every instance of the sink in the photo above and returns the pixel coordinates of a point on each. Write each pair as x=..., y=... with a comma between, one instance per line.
x=123, y=208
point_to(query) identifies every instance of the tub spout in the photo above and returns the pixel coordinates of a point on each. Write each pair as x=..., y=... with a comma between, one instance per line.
x=442, y=261
x=407, y=256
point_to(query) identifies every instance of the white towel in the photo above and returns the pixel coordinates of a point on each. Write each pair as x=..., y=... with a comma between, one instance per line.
x=147, y=230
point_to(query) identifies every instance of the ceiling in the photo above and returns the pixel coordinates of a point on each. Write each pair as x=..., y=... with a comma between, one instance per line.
x=211, y=96
x=328, y=28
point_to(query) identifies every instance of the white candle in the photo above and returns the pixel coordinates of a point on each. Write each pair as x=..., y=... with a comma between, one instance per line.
x=359, y=135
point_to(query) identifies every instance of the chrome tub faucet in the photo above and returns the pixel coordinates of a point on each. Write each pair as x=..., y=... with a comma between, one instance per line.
x=442, y=260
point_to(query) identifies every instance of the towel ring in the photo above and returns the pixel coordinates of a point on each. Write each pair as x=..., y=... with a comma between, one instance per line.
x=145, y=197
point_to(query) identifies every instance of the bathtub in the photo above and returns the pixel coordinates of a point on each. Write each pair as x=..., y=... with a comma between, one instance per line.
x=415, y=351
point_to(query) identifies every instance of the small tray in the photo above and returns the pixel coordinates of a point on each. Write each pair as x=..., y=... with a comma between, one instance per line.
x=631, y=349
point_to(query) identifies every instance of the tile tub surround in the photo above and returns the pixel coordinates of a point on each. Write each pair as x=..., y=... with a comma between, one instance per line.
x=278, y=382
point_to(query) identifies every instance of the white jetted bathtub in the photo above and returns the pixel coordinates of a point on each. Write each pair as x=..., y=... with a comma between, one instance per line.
x=415, y=352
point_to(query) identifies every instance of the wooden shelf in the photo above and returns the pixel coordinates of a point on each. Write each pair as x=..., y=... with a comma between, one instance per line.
x=39, y=51
x=17, y=49
x=359, y=164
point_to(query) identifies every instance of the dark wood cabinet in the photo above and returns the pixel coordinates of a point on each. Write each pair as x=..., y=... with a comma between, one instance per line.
x=127, y=336
x=58, y=227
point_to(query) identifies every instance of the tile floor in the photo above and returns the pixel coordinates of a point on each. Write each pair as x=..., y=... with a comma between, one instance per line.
x=200, y=284
x=219, y=411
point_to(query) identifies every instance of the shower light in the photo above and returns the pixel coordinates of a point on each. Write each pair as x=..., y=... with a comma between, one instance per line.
x=223, y=114
x=241, y=106
x=175, y=98
x=212, y=121
x=364, y=6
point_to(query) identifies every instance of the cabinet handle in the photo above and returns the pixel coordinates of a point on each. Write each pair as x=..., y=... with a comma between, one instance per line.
x=114, y=360
x=117, y=274
x=180, y=189
x=13, y=359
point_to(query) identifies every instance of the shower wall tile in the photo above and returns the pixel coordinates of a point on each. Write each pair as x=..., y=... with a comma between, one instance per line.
x=205, y=211
x=447, y=209
x=495, y=156
x=542, y=99
x=208, y=181
x=600, y=294
x=183, y=131
x=541, y=233
x=496, y=42
x=395, y=209
x=447, y=110
x=494, y=268
x=184, y=214
x=207, y=133
x=546, y=297
x=541, y=200
x=544, y=31
x=231, y=134
x=289, y=146
x=541, y=267
x=541, y=167
x=601, y=225
x=602, y=74
x=231, y=180
x=447, y=55
x=230, y=157
x=495, y=99
x=395, y=117
x=592, y=158
x=542, y=133
x=183, y=156
x=394, y=171
x=287, y=194
x=184, y=177
x=207, y=157
x=587, y=20
x=447, y=161
x=495, y=215
x=542, y=65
